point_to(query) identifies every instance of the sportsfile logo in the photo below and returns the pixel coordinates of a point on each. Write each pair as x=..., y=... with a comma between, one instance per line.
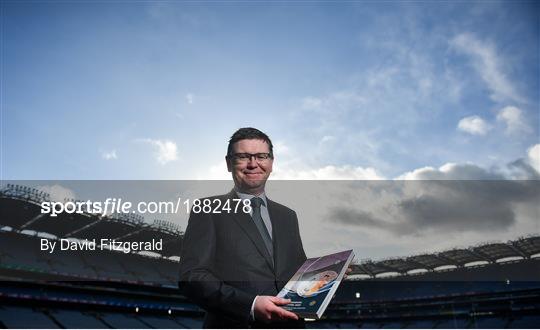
x=111, y=205
x=118, y=206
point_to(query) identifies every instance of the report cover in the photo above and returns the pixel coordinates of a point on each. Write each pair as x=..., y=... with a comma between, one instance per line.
x=312, y=287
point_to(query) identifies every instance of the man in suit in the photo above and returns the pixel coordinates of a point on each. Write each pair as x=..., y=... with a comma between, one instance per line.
x=234, y=263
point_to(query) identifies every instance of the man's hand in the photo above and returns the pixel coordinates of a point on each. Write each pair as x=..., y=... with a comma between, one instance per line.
x=347, y=272
x=267, y=309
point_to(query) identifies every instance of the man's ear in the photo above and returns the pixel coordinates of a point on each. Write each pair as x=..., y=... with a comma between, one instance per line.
x=229, y=164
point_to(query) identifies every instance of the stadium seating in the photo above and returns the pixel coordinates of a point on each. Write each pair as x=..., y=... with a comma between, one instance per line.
x=74, y=319
x=25, y=317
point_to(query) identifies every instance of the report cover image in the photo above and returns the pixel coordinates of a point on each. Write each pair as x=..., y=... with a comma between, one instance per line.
x=312, y=287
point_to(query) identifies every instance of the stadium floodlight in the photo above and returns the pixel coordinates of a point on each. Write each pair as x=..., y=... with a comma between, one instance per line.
x=133, y=219
x=167, y=226
x=24, y=193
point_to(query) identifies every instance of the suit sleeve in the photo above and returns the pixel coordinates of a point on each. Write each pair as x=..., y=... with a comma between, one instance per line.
x=301, y=252
x=198, y=280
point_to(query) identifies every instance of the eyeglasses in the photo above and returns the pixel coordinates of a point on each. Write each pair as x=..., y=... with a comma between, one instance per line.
x=246, y=157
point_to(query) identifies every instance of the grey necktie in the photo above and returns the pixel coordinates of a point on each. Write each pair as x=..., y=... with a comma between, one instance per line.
x=257, y=218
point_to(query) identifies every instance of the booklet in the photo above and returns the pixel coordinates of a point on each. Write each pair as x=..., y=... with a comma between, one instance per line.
x=314, y=284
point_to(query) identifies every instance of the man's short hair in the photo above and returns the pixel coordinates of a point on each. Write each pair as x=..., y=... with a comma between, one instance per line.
x=249, y=133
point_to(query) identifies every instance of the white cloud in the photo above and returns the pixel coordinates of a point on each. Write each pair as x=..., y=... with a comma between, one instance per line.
x=330, y=172
x=334, y=102
x=327, y=139
x=533, y=157
x=281, y=149
x=189, y=98
x=487, y=63
x=451, y=171
x=58, y=193
x=512, y=117
x=216, y=172
x=108, y=155
x=416, y=174
x=311, y=103
x=346, y=172
x=473, y=125
x=166, y=150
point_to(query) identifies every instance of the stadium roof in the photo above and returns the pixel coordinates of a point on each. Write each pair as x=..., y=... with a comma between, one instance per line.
x=20, y=209
x=493, y=252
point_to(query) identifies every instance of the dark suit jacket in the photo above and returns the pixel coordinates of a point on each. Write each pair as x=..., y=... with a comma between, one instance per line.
x=224, y=263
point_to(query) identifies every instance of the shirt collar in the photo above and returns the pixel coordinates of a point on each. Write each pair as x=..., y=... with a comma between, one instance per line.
x=249, y=196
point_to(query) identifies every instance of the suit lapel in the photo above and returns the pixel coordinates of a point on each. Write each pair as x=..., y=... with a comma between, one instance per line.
x=245, y=222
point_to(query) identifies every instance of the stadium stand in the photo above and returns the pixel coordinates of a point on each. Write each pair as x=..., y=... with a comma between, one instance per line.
x=20, y=317
x=494, y=285
x=75, y=319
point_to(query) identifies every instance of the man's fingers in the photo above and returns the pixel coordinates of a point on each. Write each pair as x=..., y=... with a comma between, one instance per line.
x=272, y=311
x=280, y=301
x=289, y=315
x=283, y=313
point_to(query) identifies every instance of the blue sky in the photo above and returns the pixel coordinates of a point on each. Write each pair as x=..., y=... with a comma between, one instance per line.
x=153, y=90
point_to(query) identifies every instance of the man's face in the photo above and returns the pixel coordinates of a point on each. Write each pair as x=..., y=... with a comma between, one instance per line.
x=250, y=175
